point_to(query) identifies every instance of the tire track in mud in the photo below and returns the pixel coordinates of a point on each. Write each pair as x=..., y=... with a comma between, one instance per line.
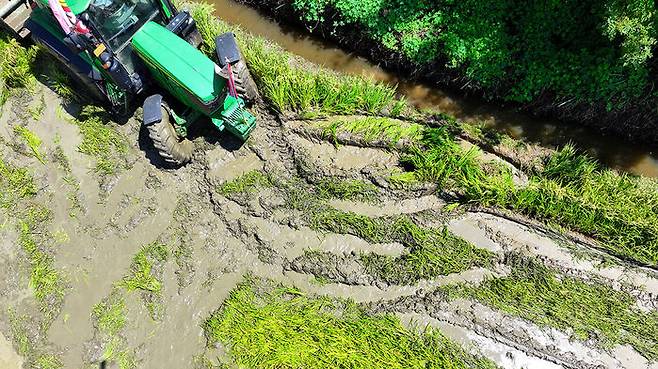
x=216, y=240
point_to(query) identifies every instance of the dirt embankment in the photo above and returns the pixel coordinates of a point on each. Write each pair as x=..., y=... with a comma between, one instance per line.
x=146, y=253
x=636, y=122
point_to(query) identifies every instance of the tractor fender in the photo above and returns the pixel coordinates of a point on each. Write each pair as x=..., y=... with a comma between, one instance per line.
x=152, y=109
x=227, y=49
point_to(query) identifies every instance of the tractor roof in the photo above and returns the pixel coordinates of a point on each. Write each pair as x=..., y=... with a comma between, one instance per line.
x=77, y=6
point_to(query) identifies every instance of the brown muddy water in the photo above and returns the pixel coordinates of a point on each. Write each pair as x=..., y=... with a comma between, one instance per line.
x=612, y=151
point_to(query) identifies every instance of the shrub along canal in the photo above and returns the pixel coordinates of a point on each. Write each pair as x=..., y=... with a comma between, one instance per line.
x=610, y=150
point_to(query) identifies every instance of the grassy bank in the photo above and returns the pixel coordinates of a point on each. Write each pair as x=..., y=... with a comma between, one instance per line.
x=586, y=310
x=278, y=327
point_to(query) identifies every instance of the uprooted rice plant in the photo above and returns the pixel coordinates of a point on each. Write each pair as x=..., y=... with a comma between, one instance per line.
x=587, y=310
x=278, y=327
x=431, y=252
x=17, y=197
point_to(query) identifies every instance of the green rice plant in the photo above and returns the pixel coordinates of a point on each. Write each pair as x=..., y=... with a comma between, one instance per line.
x=49, y=361
x=141, y=276
x=283, y=328
x=16, y=64
x=32, y=141
x=46, y=281
x=431, y=252
x=107, y=145
x=572, y=190
x=292, y=84
x=246, y=183
x=589, y=310
x=373, y=129
x=110, y=315
x=331, y=188
x=15, y=184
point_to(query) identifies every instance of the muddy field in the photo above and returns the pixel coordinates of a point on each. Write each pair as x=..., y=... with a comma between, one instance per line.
x=201, y=229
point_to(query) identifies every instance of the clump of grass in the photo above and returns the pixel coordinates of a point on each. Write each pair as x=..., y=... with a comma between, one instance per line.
x=246, y=183
x=17, y=192
x=431, y=252
x=141, y=276
x=15, y=184
x=16, y=64
x=373, y=129
x=49, y=361
x=144, y=277
x=29, y=345
x=110, y=320
x=109, y=314
x=107, y=145
x=46, y=281
x=331, y=188
x=588, y=310
x=292, y=84
x=32, y=141
x=72, y=195
x=282, y=328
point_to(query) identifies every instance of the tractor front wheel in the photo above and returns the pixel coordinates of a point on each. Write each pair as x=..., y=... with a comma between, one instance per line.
x=244, y=83
x=173, y=149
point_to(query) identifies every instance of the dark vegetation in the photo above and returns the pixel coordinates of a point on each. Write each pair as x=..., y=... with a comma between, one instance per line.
x=591, y=62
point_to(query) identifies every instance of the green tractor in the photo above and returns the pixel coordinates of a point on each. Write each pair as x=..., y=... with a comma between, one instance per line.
x=119, y=49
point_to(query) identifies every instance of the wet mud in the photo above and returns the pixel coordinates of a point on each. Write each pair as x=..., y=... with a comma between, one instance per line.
x=214, y=240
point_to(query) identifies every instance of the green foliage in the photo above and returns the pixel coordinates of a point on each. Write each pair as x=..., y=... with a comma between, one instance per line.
x=373, y=129
x=32, y=141
x=431, y=252
x=534, y=292
x=15, y=66
x=15, y=184
x=285, y=329
x=246, y=183
x=100, y=140
x=572, y=190
x=331, y=188
x=292, y=84
x=141, y=276
x=590, y=51
x=110, y=315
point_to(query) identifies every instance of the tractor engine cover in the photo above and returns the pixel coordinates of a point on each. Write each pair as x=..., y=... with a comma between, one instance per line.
x=180, y=68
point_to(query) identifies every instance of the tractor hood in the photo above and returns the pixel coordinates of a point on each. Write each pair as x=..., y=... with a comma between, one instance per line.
x=178, y=64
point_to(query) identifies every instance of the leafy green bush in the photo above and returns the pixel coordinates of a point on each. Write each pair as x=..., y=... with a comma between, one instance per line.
x=589, y=51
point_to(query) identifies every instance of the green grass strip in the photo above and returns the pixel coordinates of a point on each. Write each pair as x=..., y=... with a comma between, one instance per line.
x=373, y=129
x=246, y=183
x=534, y=292
x=282, y=328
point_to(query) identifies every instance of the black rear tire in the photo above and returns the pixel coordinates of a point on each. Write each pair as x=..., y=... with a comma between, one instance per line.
x=244, y=83
x=173, y=149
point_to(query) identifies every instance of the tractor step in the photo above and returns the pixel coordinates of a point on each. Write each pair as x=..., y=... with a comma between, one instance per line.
x=13, y=14
x=236, y=118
